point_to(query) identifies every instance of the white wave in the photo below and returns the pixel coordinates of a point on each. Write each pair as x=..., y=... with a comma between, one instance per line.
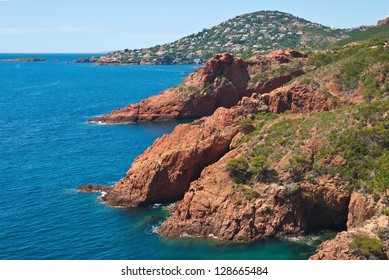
x=212, y=236
x=309, y=239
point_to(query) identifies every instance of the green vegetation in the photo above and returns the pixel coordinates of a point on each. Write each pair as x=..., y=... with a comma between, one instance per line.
x=370, y=247
x=247, y=125
x=258, y=169
x=351, y=142
x=381, y=32
x=364, y=66
x=249, y=193
x=258, y=121
x=244, y=35
x=292, y=189
x=260, y=78
x=238, y=170
x=365, y=150
x=298, y=166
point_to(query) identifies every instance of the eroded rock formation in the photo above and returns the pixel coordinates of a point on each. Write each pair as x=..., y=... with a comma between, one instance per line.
x=222, y=82
x=164, y=171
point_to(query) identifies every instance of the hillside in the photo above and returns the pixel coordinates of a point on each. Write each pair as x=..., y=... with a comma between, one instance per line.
x=253, y=33
x=381, y=32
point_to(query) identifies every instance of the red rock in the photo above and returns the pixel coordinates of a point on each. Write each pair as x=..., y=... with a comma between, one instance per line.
x=383, y=22
x=337, y=249
x=340, y=249
x=93, y=188
x=215, y=205
x=298, y=98
x=222, y=82
x=164, y=171
x=361, y=208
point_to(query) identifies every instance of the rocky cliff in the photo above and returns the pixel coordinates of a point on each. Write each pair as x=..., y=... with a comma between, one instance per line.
x=367, y=235
x=383, y=22
x=292, y=144
x=164, y=171
x=222, y=82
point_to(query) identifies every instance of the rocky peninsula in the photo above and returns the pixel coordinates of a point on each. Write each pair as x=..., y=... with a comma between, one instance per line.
x=286, y=143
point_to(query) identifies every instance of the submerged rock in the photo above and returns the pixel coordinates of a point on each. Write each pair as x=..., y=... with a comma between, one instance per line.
x=87, y=188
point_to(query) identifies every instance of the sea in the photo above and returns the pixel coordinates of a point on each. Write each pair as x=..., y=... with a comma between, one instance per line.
x=48, y=149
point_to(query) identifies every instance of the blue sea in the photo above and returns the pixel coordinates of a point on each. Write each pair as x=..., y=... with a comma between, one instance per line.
x=47, y=149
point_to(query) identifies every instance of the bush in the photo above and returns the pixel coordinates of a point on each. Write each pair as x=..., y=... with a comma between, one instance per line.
x=370, y=247
x=385, y=212
x=261, y=169
x=298, y=166
x=292, y=189
x=247, y=126
x=238, y=170
x=250, y=193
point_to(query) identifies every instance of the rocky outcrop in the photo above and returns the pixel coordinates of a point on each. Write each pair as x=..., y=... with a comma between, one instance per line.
x=298, y=98
x=383, y=22
x=337, y=249
x=91, y=59
x=364, y=217
x=222, y=82
x=164, y=171
x=361, y=208
x=342, y=247
x=88, y=188
x=216, y=206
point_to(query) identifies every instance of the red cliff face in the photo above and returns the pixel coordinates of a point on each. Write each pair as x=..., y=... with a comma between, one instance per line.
x=364, y=217
x=222, y=82
x=216, y=206
x=298, y=98
x=164, y=171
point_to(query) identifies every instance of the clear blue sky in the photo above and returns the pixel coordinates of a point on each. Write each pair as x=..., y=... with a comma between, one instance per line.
x=104, y=25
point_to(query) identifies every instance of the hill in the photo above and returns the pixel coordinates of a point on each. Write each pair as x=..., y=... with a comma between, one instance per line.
x=381, y=32
x=253, y=33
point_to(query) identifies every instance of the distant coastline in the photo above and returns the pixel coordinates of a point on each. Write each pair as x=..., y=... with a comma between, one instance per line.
x=23, y=59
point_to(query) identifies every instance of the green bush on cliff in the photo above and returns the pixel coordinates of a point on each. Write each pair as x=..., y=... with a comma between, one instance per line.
x=239, y=170
x=368, y=246
x=246, y=126
x=250, y=193
x=261, y=168
x=298, y=166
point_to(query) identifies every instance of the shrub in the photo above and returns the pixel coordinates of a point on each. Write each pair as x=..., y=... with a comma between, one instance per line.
x=250, y=193
x=385, y=212
x=298, y=166
x=261, y=169
x=238, y=170
x=247, y=126
x=292, y=189
x=370, y=247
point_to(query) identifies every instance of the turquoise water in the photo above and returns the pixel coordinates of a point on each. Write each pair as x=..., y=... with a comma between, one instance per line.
x=47, y=150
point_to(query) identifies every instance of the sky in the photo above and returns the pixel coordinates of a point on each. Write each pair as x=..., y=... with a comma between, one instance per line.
x=94, y=26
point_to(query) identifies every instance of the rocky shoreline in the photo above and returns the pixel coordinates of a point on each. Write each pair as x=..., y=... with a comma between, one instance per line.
x=237, y=171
